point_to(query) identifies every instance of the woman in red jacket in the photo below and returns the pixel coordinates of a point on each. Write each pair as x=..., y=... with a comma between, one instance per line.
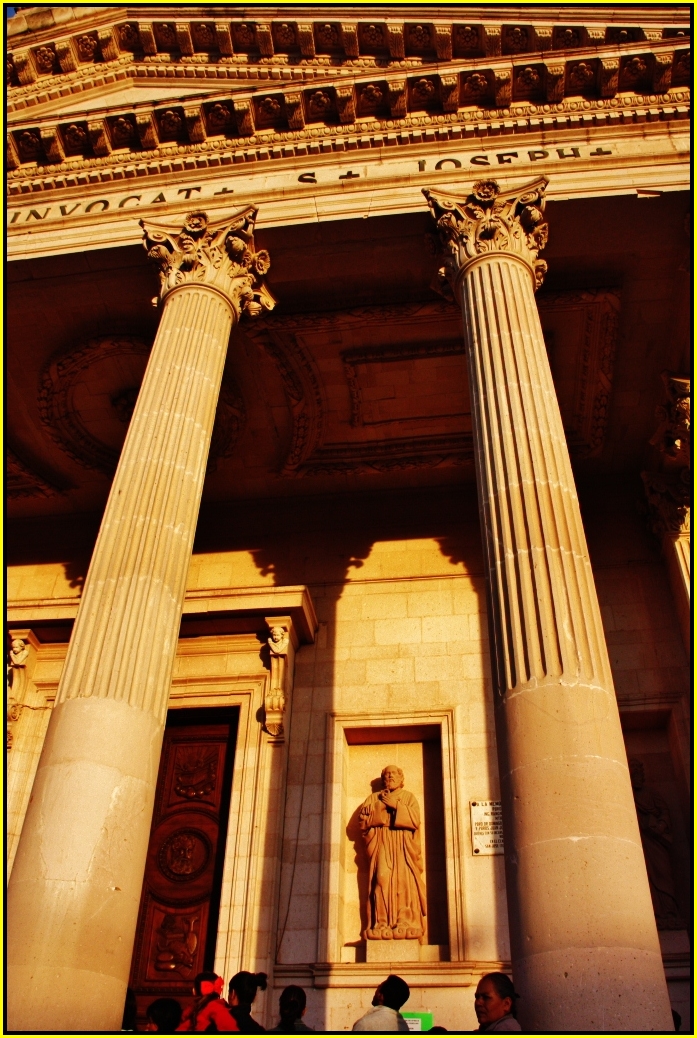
x=209, y=1012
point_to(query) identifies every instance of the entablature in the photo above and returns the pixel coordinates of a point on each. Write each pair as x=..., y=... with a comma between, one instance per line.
x=480, y=92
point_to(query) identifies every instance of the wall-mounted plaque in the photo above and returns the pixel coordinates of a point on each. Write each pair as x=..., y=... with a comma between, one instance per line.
x=487, y=827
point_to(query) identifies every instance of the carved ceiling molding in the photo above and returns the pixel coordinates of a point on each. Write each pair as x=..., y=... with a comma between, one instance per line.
x=302, y=385
x=390, y=455
x=585, y=425
x=384, y=354
x=61, y=416
x=59, y=53
x=22, y=481
x=281, y=336
x=285, y=123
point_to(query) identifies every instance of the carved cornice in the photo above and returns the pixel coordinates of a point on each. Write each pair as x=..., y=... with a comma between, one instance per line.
x=220, y=255
x=479, y=87
x=122, y=165
x=298, y=45
x=486, y=221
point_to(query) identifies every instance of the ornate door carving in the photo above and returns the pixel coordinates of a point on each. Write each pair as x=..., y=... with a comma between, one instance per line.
x=178, y=917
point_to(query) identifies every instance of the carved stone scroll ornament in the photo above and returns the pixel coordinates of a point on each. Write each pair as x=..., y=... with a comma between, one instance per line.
x=220, y=254
x=489, y=220
x=282, y=645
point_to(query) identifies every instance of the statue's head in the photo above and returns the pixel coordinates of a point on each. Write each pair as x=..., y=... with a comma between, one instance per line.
x=392, y=777
x=636, y=773
x=277, y=634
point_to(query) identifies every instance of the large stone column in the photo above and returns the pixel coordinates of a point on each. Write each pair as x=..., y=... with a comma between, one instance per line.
x=584, y=944
x=75, y=888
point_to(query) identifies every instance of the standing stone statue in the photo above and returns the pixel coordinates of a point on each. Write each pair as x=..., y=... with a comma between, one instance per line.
x=390, y=822
x=657, y=840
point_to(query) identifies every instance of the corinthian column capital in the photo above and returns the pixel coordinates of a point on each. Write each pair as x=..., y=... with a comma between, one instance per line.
x=218, y=254
x=489, y=221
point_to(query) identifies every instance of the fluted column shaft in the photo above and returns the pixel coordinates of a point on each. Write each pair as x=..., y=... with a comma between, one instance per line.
x=76, y=884
x=584, y=945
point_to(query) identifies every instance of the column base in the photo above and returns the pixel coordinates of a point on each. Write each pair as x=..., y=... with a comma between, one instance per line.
x=72, y=901
x=39, y=997
x=593, y=989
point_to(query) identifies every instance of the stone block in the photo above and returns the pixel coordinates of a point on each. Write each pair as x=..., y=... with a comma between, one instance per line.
x=392, y=632
x=392, y=951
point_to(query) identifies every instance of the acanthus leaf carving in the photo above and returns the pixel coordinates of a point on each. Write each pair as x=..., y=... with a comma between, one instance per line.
x=489, y=220
x=221, y=255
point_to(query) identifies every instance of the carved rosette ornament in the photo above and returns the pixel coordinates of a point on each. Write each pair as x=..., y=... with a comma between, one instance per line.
x=487, y=221
x=219, y=254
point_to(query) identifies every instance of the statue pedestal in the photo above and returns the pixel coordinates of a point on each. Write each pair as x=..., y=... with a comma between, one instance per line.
x=392, y=951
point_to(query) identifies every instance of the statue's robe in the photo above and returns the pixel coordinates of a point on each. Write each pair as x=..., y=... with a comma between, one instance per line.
x=396, y=891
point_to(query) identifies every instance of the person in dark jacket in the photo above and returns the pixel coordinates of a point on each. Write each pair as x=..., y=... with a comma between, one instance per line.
x=494, y=1004
x=291, y=1006
x=163, y=1015
x=242, y=990
x=209, y=1012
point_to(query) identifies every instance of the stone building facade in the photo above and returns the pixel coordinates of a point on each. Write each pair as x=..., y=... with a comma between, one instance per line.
x=394, y=469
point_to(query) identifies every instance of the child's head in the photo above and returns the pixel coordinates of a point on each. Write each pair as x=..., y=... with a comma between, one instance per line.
x=207, y=983
x=164, y=1015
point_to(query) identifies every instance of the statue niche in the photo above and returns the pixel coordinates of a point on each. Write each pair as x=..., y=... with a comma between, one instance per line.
x=390, y=823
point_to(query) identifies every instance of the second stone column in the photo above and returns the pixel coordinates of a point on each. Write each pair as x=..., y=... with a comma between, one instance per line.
x=75, y=888
x=585, y=950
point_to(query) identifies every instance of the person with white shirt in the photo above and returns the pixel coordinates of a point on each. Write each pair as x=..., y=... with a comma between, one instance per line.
x=388, y=999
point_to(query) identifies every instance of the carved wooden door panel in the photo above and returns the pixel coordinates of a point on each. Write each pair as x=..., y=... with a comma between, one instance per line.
x=177, y=922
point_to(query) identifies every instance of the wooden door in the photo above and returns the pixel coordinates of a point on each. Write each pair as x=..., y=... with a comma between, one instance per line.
x=178, y=917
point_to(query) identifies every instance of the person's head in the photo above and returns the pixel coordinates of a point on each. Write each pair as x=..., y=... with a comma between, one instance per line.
x=392, y=777
x=242, y=989
x=207, y=983
x=393, y=992
x=291, y=1004
x=494, y=998
x=164, y=1015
